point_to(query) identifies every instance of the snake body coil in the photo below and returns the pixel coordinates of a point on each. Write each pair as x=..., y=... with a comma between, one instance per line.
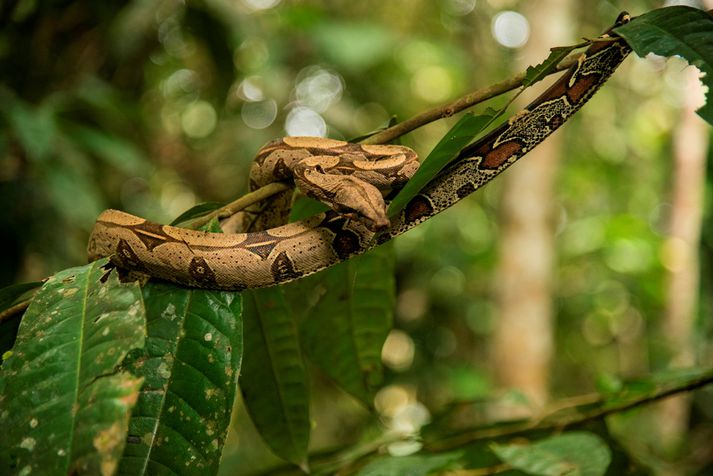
x=264, y=258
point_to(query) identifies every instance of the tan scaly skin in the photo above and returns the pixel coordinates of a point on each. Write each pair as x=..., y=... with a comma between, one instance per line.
x=255, y=259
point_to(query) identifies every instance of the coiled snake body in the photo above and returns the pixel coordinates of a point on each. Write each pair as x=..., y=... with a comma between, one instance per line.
x=235, y=261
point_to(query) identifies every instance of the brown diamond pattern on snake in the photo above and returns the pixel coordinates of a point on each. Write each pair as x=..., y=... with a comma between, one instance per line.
x=200, y=271
x=498, y=156
x=345, y=242
x=419, y=207
x=126, y=257
x=260, y=243
x=283, y=268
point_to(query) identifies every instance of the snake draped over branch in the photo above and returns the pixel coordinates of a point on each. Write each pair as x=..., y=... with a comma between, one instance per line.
x=352, y=179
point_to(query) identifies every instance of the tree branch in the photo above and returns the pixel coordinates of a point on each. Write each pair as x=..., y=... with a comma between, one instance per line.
x=331, y=459
x=388, y=135
x=14, y=310
x=241, y=203
x=465, y=102
x=559, y=424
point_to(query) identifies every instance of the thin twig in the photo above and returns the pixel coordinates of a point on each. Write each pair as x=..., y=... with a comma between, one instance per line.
x=241, y=203
x=469, y=436
x=388, y=135
x=14, y=310
x=469, y=100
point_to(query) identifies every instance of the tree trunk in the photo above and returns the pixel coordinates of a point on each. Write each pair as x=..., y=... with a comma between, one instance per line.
x=522, y=347
x=690, y=143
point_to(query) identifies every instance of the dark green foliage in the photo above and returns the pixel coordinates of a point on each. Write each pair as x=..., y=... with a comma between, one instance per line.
x=682, y=31
x=190, y=366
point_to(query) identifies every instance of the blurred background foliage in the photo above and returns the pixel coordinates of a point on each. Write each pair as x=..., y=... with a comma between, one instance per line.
x=152, y=106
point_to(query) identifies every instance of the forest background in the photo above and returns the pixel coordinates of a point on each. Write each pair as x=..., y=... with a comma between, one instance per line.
x=587, y=264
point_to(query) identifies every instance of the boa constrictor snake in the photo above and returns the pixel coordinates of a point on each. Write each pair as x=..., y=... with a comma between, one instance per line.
x=235, y=261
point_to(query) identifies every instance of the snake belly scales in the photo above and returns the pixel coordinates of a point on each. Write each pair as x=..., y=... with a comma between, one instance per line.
x=236, y=261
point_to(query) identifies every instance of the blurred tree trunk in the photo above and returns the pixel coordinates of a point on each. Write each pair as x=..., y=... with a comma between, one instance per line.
x=522, y=347
x=690, y=143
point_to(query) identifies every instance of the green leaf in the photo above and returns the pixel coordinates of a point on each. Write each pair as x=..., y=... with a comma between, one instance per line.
x=65, y=403
x=676, y=31
x=445, y=151
x=213, y=226
x=190, y=364
x=274, y=381
x=634, y=389
x=538, y=72
x=571, y=454
x=197, y=211
x=306, y=207
x=414, y=465
x=357, y=303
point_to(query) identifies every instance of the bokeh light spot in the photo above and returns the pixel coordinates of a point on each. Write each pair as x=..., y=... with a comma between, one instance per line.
x=432, y=83
x=259, y=115
x=250, y=89
x=676, y=254
x=398, y=351
x=408, y=419
x=389, y=399
x=199, y=119
x=251, y=55
x=460, y=7
x=318, y=88
x=510, y=29
x=303, y=121
x=261, y=4
x=629, y=255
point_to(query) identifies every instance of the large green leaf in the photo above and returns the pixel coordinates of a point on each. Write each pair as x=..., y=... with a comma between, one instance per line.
x=571, y=454
x=445, y=151
x=65, y=404
x=679, y=30
x=356, y=305
x=274, y=381
x=190, y=364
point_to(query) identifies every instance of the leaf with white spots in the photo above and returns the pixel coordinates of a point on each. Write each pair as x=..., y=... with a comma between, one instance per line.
x=190, y=364
x=65, y=403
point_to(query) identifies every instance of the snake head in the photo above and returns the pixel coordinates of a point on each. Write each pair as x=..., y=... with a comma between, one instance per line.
x=347, y=195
